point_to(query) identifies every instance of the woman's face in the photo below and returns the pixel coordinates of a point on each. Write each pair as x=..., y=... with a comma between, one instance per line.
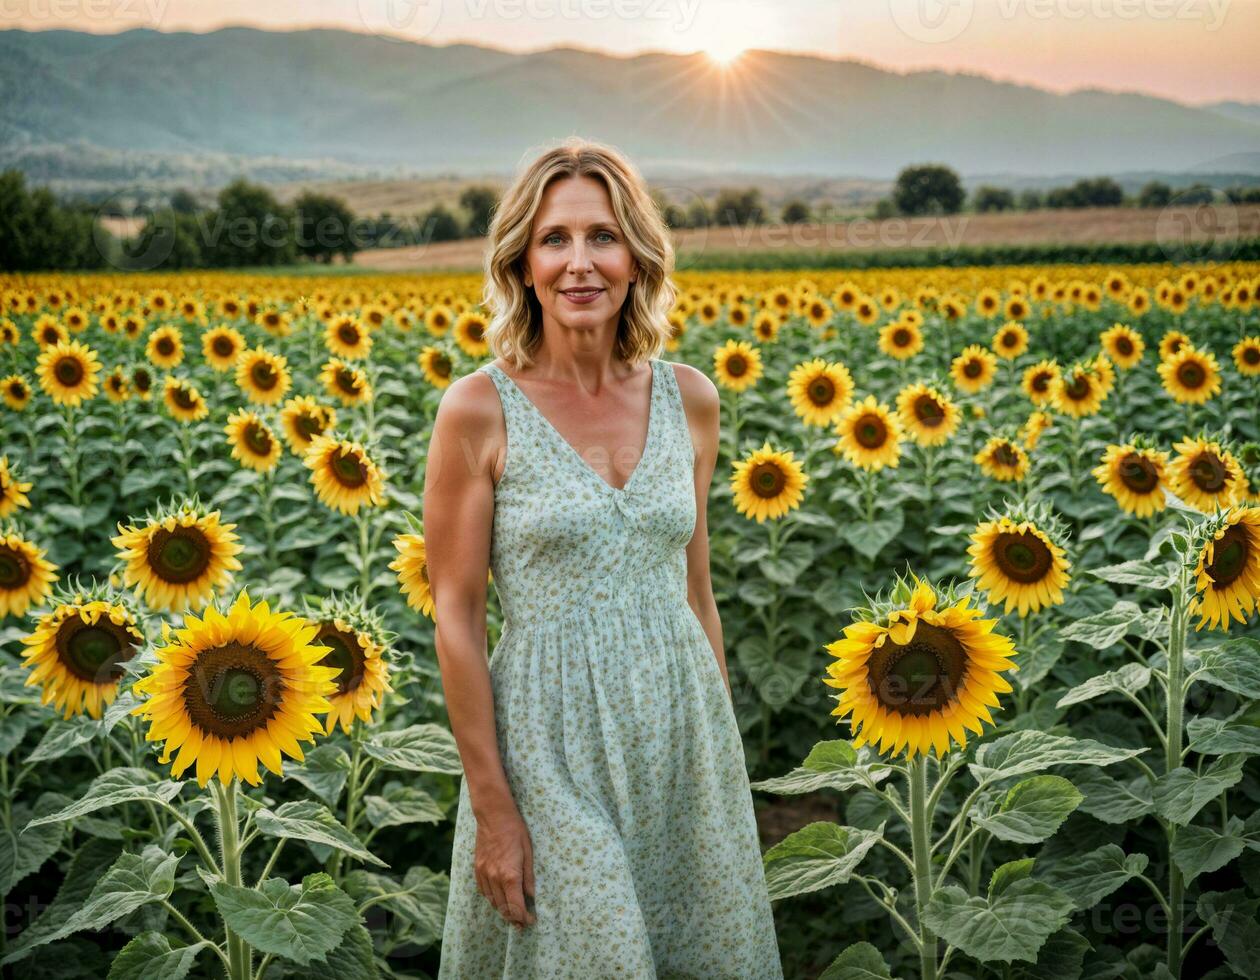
x=577, y=262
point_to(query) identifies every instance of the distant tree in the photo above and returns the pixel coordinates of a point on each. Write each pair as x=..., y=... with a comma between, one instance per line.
x=928, y=189
x=439, y=225
x=1062, y=197
x=699, y=215
x=884, y=208
x=1031, y=200
x=675, y=217
x=738, y=207
x=325, y=227
x=795, y=212
x=1195, y=194
x=38, y=232
x=478, y=203
x=249, y=228
x=1089, y=192
x=1155, y=194
x=1243, y=195
x=170, y=239
x=183, y=202
x=987, y=198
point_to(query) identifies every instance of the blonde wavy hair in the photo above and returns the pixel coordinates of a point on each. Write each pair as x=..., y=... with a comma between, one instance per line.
x=516, y=327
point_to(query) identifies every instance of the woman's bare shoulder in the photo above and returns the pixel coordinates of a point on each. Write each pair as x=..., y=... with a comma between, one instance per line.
x=470, y=418
x=699, y=393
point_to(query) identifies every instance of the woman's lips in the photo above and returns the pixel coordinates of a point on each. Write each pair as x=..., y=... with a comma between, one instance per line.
x=581, y=296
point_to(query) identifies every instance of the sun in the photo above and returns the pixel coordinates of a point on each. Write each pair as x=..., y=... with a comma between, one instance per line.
x=724, y=50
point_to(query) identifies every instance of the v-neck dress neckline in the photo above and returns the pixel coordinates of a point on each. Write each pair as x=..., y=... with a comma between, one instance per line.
x=648, y=445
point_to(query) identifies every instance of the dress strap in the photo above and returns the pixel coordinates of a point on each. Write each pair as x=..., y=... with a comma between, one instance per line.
x=679, y=428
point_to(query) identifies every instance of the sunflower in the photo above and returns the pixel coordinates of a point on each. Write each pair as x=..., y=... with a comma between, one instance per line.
x=303, y=418
x=263, y=376
x=357, y=652
x=346, y=337
x=870, y=435
x=819, y=391
x=927, y=416
x=343, y=474
x=438, y=320
x=1206, y=476
x=1079, y=391
x=179, y=557
x=231, y=690
x=117, y=387
x=76, y=652
x=1247, y=356
x=67, y=372
x=737, y=365
x=1135, y=475
x=165, y=348
x=1003, y=460
x=221, y=346
x=16, y=392
x=470, y=333
x=1227, y=576
x=9, y=333
x=900, y=340
x=253, y=443
x=436, y=366
x=1172, y=342
x=1039, y=382
x=184, y=401
x=275, y=322
x=1033, y=428
x=142, y=382
x=974, y=369
x=988, y=302
x=1124, y=345
x=1010, y=341
x=12, y=490
x=919, y=675
x=766, y=327
x=345, y=382
x=767, y=483
x=26, y=577
x=47, y=332
x=1017, y=562
x=1191, y=376
x=413, y=572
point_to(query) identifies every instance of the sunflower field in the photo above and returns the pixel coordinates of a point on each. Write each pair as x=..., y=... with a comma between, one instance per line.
x=985, y=542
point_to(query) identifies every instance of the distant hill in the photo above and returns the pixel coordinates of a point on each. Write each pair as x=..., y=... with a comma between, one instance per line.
x=333, y=102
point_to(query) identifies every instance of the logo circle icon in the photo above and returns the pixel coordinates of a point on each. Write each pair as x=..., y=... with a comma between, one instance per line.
x=932, y=21
x=147, y=247
x=412, y=19
x=1198, y=224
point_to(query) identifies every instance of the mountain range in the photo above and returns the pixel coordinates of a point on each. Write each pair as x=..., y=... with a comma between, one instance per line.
x=365, y=103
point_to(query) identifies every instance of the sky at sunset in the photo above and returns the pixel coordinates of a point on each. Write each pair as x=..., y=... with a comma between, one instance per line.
x=1191, y=50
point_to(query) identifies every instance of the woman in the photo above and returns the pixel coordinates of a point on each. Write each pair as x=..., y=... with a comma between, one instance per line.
x=605, y=824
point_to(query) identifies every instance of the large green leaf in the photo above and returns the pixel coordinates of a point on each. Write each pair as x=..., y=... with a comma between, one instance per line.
x=23, y=852
x=353, y=958
x=312, y=822
x=1128, y=679
x=785, y=567
x=816, y=856
x=870, y=538
x=1032, y=751
x=1232, y=918
x=1182, y=793
x=861, y=961
x=401, y=805
x=1090, y=877
x=1061, y=958
x=833, y=764
x=64, y=737
x=1009, y=926
x=1032, y=810
x=419, y=748
x=1110, y=800
x=419, y=900
x=150, y=954
x=1141, y=573
x=1222, y=736
x=1104, y=629
x=324, y=771
x=1234, y=666
x=1198, y=850
x=302, y=924
x=117, y=786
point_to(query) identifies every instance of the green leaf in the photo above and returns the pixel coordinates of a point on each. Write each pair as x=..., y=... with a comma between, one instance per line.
x=861, y=961
x=133, y=881
x=1013, y=925
x=122, y=785
x=312, y=822
x=1232, y=918
x=1140, y=573
x=1061, y=958
x=1130, y=679
x=419, y=901
x=1033, y=810
x=64, y=737
x=1105, y=629
x=24, y=852
x=1035, y=663
x=869, y=539
x=1180, y=794
x=1111, y=801
x=1222, y=736
x=830, y=765
x=324, y=771
x=1233, y=666
x=816, y=856
x=787, y=566
x=302, y=924
x=1032, y=751
x=1005, y=875
x=402, y=805
x=150, y=955
x=1090, y=877
x=1198, y=850
x=420, y=748
x=354, y=958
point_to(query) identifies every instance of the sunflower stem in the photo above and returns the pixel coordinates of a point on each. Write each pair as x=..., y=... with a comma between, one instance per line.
x=230, y=850
x=365, y=551
x=917, y=778
x=1174, y=737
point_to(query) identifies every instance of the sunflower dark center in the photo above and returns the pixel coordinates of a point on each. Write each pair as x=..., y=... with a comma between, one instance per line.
x=15, y=570
x=17, y=389
x=94, y=652
x=1022, y=556
x=142, y=379
x=1041, y=382
x=973, y=368
x=183, y=397
x=264, y=376
x=929, y=411
x=258, y=439
x=309, y=425
x=345, y=654
x=68, y=371
x=1191, y=374
x=1208, y=473
x=1138, y=473
x=736, y=365
x=1010, y=339
x=1251, y=355
x=1005, y=455
x=179, y=556
x=441, y=366
x=1124, y=346
x=1078, y=388
x=1229, y=557
x=233, y=690
x=223, y=346
x=902, y=337
x=1174, y=345
x=767, y=480
x=921, y=676
x=822, y=391
x=870, y=432
x=348, y=469
x=348, y=334
x=347, y=382
x=165, y=346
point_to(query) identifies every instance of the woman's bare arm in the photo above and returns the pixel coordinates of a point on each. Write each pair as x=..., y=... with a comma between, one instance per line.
x=704, y=417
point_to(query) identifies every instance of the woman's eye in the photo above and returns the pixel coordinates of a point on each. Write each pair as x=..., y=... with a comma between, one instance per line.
x=548, y=240
x=606, y=235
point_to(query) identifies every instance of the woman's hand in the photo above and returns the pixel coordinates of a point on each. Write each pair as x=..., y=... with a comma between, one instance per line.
x=504, y=865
